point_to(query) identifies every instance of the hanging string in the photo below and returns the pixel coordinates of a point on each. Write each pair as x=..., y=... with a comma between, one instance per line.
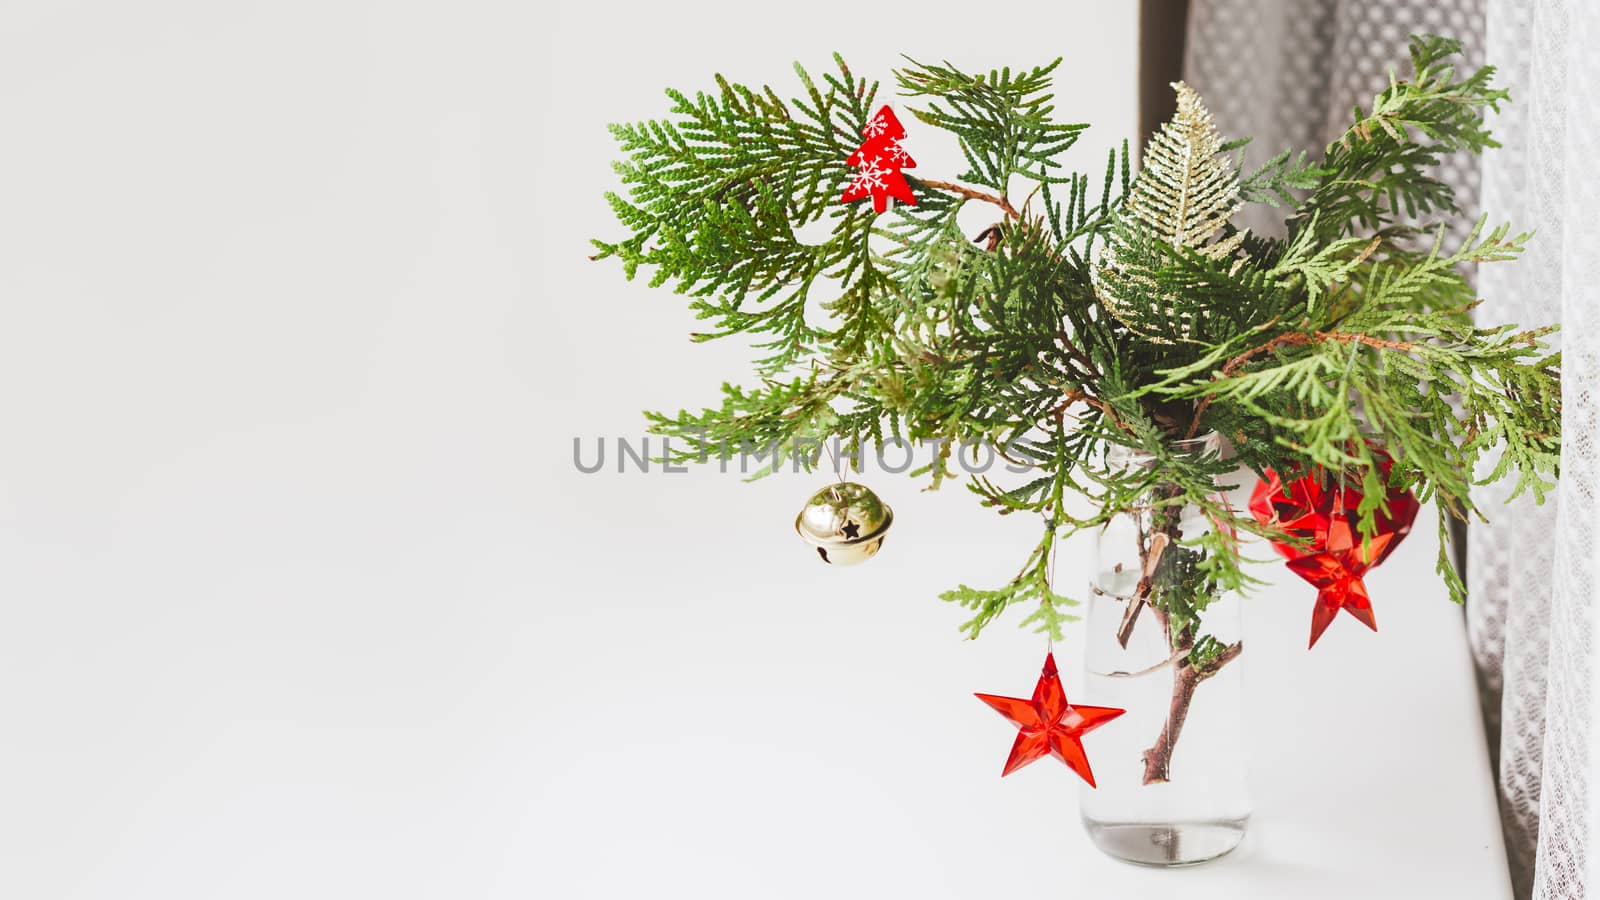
x=1050, y=579
x=1349, y=366
x=833, y=453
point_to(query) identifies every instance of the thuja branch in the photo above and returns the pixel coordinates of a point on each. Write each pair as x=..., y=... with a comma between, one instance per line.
x=1283, y=341
x=973, y=194
x=1301, y=338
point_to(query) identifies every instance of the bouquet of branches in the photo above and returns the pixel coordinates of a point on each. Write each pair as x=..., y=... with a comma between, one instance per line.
x=1098, y=318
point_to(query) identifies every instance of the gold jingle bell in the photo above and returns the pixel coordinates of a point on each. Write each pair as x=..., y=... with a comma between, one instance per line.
x=845, y=523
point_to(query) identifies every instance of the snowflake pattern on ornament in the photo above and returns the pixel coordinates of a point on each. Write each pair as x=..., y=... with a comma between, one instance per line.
x=878, y=162
x=895, y=150
x=869, y=177
x=883, y=124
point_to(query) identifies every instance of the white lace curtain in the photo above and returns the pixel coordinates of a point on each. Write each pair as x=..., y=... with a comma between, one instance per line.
x=1288, y=72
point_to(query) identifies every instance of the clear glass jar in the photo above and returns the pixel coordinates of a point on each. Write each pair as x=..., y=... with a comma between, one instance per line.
x=1172, y=772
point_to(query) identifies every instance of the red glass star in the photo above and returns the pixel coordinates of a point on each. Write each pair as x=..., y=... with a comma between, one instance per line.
x=1336, y=574
x=1333, y=557
x=1049, y=724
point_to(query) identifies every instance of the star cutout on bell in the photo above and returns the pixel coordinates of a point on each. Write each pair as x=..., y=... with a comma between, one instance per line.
x=1049, y=724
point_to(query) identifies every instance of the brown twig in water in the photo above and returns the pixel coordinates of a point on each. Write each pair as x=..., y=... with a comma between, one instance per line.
x=1158, y=759
x=1141, y=594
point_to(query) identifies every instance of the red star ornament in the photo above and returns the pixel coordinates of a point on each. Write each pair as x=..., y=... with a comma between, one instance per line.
x=1049, y=724
x=1335, y=558
x=878, y=162
x=1336, y=573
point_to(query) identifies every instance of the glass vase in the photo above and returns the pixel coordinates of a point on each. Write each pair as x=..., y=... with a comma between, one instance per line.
x=1172, y=772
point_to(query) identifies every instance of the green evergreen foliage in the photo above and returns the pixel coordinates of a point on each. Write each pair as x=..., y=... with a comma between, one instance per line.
x=1119, y=311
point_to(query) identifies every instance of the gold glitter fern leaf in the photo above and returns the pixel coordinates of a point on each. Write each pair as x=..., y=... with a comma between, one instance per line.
x=1184, y=195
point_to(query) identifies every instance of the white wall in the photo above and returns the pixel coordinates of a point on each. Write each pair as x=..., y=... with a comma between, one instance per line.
x=302, y=594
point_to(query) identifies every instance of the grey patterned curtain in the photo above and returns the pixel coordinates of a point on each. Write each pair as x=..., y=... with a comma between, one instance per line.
x=1288, y=73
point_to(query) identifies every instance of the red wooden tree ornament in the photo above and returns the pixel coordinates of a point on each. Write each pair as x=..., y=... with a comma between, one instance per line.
x=878, y=162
